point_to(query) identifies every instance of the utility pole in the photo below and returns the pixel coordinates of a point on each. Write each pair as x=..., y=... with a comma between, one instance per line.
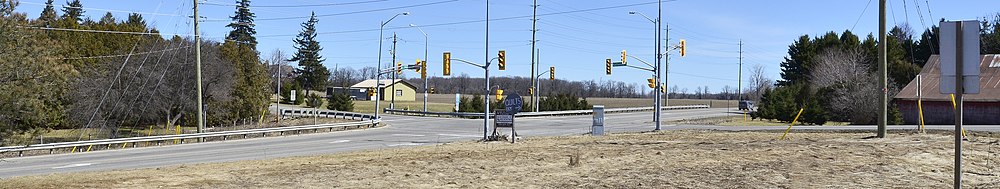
x=538, y=82
x=739, y=85
x=534, y=14
x=277, y=104
x=666, y=67
x=392, y=103
x=883, y=80
x=486, y=97
x=197, y=65
x=659, y=57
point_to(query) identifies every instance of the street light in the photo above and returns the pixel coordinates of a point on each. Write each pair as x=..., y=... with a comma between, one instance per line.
x=378, y=77
x=656, y=68
x=425, y=58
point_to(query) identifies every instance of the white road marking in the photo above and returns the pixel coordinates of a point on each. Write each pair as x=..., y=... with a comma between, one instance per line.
x=410, y=135
x=340, y=141
x=72, y=165
x=460, y=135
x=404, y=144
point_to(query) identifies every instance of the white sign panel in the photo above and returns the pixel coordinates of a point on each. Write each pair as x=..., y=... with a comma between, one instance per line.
x=970, y=55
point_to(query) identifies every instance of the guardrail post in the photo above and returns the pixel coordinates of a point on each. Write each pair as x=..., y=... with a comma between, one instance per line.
x=244, y=136
x=20, y=153
x=182, y=141
x=224, y=137
x=50, y=151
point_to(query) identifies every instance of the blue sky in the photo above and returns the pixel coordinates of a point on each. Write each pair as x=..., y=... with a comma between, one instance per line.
x=576, y=43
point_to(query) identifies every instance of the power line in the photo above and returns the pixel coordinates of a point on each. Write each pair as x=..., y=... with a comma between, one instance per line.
x=862, y=14
x=475, y=21
x=100, y=9
x=122, y=55
x=345, y=13
x=294, y=6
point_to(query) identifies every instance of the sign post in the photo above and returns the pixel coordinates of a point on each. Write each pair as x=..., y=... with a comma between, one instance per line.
x=959, y=73
x=505, y=118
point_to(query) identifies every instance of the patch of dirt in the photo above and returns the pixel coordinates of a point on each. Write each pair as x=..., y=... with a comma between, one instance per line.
x=668, y=159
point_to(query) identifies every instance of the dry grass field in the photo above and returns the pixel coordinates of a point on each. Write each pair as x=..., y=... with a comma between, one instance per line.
x=669, y=159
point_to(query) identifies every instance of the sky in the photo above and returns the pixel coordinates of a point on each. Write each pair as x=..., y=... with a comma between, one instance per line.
x=573, y=36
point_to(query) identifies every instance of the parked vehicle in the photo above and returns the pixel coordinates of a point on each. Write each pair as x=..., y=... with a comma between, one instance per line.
x=746, y=105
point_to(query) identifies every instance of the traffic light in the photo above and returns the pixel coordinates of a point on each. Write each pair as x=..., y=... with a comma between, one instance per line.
x=552, y=73
x=683, y=47
x=417, y=69
x=432, y=90
x=399, y=67
x=607, y=63
x=502, y=58
x=499, y=94
x=371, y=91
x=423, y=70
x=531, y=91
x=652, y=83
x=447, y=64
x=624, y=59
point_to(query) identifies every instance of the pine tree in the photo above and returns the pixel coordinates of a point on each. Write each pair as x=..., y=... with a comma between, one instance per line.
x=48, y=16
x=250, y=88
x=73, y=12
x=312, y=74
x=242, y=25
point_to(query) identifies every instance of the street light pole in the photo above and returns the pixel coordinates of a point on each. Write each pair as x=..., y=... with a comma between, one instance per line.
x=486, y=97
x=378, y=76
x=425, y=59
x=656, y=69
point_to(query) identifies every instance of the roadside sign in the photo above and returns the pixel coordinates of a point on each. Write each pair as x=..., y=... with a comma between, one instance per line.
x=512, y=104
x=504, y=120
x=458, y=100
x=598, y=128
x=292, y=95
x=970, y=55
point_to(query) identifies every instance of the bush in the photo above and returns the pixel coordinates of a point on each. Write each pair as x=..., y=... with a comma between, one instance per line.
x=563, y=102
x=314, y=101
x=340, y=102
x=783, y=104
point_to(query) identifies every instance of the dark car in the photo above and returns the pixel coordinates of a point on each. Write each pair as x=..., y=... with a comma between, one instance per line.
x=746, y=105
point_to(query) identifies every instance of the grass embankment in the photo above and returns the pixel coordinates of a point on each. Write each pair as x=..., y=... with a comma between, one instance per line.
x=738, y=120
x=669, y=159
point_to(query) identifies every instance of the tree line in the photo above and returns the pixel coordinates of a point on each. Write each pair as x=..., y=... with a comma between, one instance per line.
x=834, y=77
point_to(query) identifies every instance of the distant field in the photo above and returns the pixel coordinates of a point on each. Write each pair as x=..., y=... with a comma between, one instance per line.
x=647, y=102
x=446, y=102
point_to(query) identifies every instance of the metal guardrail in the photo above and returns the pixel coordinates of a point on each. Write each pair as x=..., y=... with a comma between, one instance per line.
x=536, y=114
x=225, y=134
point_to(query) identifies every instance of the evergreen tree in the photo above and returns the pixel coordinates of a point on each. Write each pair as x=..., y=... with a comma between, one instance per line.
x=73, y=12
x=33, y=81
x=242, y=25
x=795, y=67
x=48, y=16
x=250, y=88
x=312, y=74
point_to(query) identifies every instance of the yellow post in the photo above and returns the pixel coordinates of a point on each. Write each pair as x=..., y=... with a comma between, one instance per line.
x=920, y=108
x=793, y=123
x=89, y=147
x=260, y=123
x=74, y=150
x=123, y=145
x=954, y=105
x=178, y=131
x=149, y=132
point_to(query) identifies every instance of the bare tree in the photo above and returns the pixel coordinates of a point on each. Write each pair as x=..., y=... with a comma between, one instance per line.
x=853, y=85
x=758, y=83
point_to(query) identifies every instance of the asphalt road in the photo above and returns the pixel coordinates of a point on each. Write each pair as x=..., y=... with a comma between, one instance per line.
x=402, y=131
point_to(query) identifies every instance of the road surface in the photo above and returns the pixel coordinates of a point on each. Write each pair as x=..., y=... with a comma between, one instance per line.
x=402, y=131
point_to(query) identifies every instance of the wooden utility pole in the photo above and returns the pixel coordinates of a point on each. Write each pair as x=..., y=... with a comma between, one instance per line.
x=883, y=72
x=534, y=14
x=197, y=65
